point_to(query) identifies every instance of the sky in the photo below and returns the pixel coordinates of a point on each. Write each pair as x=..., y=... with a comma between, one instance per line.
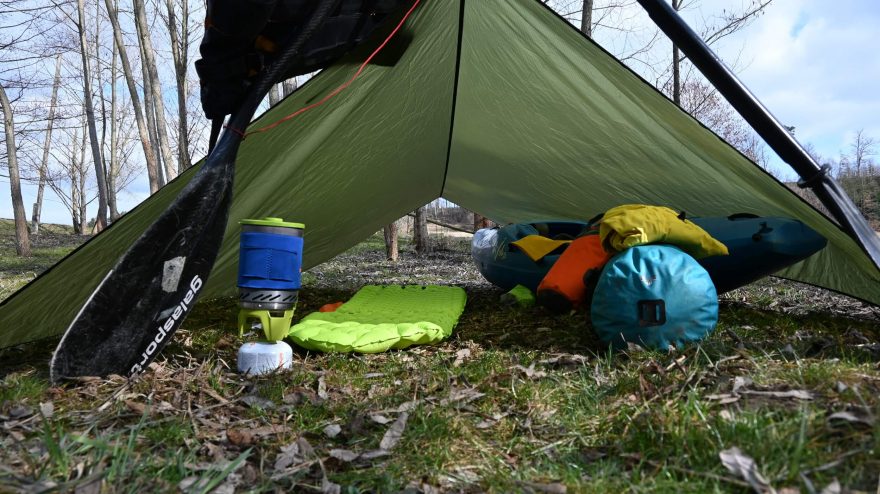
x=813, y=64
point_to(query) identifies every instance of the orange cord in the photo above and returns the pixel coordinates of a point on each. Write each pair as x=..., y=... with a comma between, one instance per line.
x=340, y=88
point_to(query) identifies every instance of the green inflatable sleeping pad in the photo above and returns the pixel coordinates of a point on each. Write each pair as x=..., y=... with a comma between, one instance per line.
x=379, y=318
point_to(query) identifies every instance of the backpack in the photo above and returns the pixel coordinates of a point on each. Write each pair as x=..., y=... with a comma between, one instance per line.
x=242, y=37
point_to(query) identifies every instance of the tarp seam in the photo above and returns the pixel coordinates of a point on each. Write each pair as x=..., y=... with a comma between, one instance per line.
x=454, y=95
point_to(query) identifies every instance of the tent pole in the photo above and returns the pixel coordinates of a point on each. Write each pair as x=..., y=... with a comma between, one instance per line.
x=826, y=188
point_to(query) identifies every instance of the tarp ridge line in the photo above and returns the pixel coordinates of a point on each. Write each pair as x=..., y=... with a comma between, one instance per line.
x=454, y=95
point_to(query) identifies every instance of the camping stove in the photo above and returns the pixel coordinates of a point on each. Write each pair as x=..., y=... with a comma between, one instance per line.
x=270, y=261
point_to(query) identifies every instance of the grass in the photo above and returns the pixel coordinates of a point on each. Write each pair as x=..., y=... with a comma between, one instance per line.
x=516, y=401
x=53, y=243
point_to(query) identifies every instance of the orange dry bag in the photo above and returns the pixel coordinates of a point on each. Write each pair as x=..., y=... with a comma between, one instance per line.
x=563, y=288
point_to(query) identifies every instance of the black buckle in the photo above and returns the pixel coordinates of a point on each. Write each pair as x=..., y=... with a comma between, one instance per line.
x=651, y=312
x=816, y=179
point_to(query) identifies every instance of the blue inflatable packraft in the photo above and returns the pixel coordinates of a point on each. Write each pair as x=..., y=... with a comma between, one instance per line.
x=654, y=296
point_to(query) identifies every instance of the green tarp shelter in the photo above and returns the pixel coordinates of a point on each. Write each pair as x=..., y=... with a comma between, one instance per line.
x=498, y=105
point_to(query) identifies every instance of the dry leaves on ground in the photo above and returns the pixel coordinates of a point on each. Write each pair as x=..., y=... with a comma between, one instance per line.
x=746, y=468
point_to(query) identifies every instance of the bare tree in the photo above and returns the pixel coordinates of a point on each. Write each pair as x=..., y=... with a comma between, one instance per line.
x=862, y=149
x=155, y=87
x=180, y=55
x=858, y=172
x=390, y=233
x=101, y=221
x=420, y=231
x=289, y=86
x=150, y=113
x=676, y=64
x=112, y=169
x=22, y=240
x=149, y=155
x=633, y=44
x=274, y=95
x=726, y=24
x=107, y=120
x=80, y=184
x=69, y=180
x=47, y=144
x=592, y=17
x=587, y=18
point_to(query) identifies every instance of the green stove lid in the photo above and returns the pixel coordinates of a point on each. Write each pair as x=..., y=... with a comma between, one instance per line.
x=272, y=222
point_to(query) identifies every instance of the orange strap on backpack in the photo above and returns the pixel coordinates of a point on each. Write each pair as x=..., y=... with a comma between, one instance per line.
x=563, y=288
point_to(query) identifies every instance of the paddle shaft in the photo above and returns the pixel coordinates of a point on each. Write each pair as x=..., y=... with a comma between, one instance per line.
x=827, y=189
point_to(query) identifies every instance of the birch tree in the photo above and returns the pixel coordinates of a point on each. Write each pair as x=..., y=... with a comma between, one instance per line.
x=289, y=86
x=151, y=74
x=113, y=163
x=180, y=56
x=78, y=183
x=150, y=113
x=47, y=144
x=101, y=218
x=143, y=133
x=22, y=239
x=274, y=96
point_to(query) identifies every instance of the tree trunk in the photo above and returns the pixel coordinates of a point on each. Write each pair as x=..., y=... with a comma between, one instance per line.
x=390, y=232
x=113, y=172
x=154, y=105
x=150, y=113
x=420, y=231
x=103, y=100
x=289, y=86
x=74, y=172
x=149, y=155
x=81, y=187
x=101, y=218
x=74, y=205
x=676, y=65
x=274, y=98
x=107, y=163
x=179, y=44
x=22, y=239
x=587, y=18
x=47, y=144
x=152, y=74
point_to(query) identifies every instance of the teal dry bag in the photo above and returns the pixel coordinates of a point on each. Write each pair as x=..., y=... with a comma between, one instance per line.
x=654, y=296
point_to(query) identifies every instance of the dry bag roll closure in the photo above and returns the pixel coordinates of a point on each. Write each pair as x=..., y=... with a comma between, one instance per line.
x=654, y=296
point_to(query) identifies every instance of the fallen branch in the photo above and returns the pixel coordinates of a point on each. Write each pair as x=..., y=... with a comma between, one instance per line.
x=445, y=225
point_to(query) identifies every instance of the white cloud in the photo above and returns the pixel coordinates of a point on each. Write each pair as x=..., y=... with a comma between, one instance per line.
x=812, y=63
x=815, y=66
